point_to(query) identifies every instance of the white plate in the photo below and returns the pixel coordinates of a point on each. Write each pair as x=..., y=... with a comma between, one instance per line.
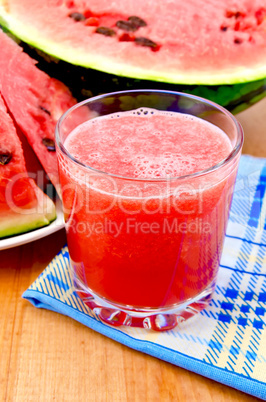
x=24, y=238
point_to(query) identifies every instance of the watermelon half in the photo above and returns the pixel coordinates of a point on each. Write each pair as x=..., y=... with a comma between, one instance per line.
x=195, y=42
x=23, y=205
x=35, y=101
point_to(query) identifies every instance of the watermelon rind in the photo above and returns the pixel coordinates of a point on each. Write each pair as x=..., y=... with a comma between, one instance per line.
x=39, y=216
x=99, y=62
x=86, y=82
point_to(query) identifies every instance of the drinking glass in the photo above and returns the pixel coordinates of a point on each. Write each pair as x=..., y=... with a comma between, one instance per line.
x=145, y=252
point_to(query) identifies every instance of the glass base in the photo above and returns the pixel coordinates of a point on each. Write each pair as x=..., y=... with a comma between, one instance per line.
x=159, y=319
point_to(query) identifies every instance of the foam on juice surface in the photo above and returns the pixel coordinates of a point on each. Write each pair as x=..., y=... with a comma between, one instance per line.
x=146, y=143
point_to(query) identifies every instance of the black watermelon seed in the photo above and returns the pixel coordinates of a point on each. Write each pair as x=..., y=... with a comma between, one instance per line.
x=223, y=28
x=137, y=21
x=126, y=26
x=105, y=31
x=238, y=41
x=45, y=110
x=5, y=158
x=146, y=42
x=49, y=143
x=77, y=16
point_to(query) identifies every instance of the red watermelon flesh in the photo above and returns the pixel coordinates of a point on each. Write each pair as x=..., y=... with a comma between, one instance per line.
x=33, y=165
x=35, y=100
x=193, y=41
x=23, y=205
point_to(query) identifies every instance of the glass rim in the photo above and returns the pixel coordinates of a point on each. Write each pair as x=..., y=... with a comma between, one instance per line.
x=224, y=162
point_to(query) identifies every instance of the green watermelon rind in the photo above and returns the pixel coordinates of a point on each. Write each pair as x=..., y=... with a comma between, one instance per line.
x=98, y=62
x=39, y=216
x=23, y=224
x=85, y=83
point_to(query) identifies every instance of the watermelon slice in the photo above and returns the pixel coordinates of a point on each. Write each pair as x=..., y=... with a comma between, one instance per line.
x=35, y=101
x=193, y=41
x=23, y=205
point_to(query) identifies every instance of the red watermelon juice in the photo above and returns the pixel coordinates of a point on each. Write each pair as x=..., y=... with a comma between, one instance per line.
x=145, y=230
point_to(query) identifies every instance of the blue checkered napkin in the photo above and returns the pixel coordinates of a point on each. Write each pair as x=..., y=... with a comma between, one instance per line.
x=227, y=341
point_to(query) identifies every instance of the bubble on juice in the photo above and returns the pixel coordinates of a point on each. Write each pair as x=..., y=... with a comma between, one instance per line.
x=146, y=143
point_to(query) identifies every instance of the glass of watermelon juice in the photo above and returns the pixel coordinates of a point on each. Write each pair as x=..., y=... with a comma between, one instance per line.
x=147, y=179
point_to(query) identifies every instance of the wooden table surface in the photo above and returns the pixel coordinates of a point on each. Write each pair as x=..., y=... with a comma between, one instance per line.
x=45, y=356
